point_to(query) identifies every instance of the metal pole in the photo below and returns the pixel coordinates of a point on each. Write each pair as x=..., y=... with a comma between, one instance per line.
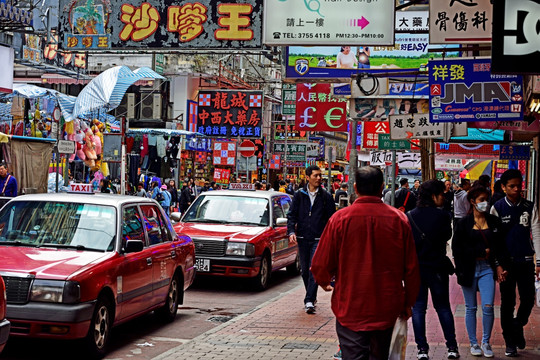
x=57, y=153
x=353, y=156
x=285, y=151
x=247, y=170
x=123, y=161
x=393, y=177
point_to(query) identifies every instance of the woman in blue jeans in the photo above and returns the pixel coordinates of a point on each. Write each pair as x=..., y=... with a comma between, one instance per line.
x=475, y=246
x=432, y=228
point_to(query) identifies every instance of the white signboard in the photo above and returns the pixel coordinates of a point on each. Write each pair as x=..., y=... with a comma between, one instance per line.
x=379, y=158
x=66, y=147
x=312, y=149
x=251, y=163
x=448, y=164
x=323, y=22
x=409, y=160
x=415, y=126
x=411, y=21
x=458, y=22
x=6, y=59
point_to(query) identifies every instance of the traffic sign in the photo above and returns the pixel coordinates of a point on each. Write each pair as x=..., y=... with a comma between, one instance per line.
x=247, y=148
x=385, y=143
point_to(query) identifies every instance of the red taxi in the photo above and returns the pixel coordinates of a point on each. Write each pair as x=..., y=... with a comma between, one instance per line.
x=76, y=265
x=4, y=323
x=240, y=234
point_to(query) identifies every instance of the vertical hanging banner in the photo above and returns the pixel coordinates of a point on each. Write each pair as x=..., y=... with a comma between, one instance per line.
x=318, y=110
x=192, y=115
x=7, y=57
x=230, y=113
x=460, y=22
x=465, y=90
x=336, y=22
x=288, y=98
x=160, y=24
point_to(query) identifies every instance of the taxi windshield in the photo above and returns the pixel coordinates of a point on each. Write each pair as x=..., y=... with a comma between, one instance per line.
x=58, y=224
x=225, y=209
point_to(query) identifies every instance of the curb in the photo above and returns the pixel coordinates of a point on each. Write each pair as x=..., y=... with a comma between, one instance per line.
x=176, y=349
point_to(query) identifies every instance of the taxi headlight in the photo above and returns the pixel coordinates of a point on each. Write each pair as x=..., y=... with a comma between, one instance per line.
x=67, y=292
x=240, y=249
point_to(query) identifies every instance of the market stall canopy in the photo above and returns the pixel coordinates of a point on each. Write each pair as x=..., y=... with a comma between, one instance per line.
x=106, y=91
x=168, y=132
x=481, y=136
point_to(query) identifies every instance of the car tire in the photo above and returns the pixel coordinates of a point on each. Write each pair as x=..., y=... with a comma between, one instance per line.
x=294, y=268
x=167, y=312
x=99, y=332
x=262, y=279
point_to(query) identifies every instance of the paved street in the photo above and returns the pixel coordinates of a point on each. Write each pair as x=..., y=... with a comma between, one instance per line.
x=279, y=329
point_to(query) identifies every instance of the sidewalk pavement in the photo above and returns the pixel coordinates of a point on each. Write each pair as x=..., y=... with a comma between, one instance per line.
x=280, y=329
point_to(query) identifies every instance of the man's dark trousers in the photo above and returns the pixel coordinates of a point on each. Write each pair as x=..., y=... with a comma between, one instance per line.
x=521, y=274
x=306, y=249
x=364, y=345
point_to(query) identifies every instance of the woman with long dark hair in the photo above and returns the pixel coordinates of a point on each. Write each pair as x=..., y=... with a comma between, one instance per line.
x=431, y=226
x=476, y=242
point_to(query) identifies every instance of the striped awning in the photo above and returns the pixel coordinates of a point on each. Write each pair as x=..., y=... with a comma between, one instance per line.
x=108, y=88
x=61, y=79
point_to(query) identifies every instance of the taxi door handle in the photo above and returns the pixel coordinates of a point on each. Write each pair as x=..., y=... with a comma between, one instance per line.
x=148, y=261
x=173, y=254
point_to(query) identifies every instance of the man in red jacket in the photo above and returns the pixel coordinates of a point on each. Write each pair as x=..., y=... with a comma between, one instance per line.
x=369, y=250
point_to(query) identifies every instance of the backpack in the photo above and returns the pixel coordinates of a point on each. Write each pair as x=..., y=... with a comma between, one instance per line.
x=160, y=197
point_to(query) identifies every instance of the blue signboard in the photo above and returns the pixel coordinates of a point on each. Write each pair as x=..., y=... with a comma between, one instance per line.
x=511, y=152
x=465, y=90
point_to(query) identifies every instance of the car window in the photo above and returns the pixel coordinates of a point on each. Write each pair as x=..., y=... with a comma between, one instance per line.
x=277, y=209
x=132, y=227
x=153, y=224
x=285, y=204
x=59, y=224
x=229, y=210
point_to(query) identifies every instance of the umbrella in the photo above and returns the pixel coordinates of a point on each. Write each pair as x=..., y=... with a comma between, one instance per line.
x=105, y=92
x=481, y=168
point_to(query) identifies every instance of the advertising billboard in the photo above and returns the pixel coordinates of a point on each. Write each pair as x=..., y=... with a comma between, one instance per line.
x=318, y=110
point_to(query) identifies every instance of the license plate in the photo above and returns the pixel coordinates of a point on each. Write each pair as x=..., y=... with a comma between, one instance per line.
x=202, y=265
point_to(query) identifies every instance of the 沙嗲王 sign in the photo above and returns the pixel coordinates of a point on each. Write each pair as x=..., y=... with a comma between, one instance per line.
x=466, y=90
x=321, y=22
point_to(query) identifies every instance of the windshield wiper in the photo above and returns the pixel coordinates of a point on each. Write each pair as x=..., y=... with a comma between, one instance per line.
x=245, y=223
x=65, y=246
x=209, y=221
x=16, y=243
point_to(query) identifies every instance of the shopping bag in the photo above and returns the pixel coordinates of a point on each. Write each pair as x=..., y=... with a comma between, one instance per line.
x=398, y=345
x=537, y=285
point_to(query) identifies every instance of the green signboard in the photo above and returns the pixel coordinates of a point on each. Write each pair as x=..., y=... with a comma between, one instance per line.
x=159, y=63
x=288, y=97
x=385, y=143
x=295, y=152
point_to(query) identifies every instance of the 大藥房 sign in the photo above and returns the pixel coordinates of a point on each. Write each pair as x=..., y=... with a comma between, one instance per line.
x=230, y=113
x=163, y=24
x=318, y=22
x=318, y=110
x=459, y=22
x=466, y=90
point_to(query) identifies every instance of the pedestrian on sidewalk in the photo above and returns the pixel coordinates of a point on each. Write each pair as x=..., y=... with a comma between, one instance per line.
x=369, y=249
x=405, y=198
x=476, y=246
x=8, y=183
x=310, y=210
x=431, y=227
x=519, y=223
x=461, y=205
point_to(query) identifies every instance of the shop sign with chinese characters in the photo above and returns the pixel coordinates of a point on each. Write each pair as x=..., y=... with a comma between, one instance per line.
x=372, y=129
x=515, y=152
x=320, y=22
x=460, y=21
x=414, y=126
x=295, y=152
x=291, y=133
x=160, y=24
x=37, y=51
x=318, y=110
x=466, y=90
x=288, y=98
x=230, y=113
x=385, y=143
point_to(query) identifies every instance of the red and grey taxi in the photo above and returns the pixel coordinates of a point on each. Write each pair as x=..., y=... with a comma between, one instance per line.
x=76, y=265
x=240, y=233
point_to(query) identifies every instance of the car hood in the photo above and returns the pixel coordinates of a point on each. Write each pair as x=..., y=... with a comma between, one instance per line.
x=48, y=263
x=220, y=231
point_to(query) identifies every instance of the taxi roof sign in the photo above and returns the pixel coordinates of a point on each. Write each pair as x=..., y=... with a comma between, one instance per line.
x=81, y=188
x=241, y=186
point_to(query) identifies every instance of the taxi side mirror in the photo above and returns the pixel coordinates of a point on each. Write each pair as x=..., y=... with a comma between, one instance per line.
x=175, y=216
x=281, y=222
x=134, y=246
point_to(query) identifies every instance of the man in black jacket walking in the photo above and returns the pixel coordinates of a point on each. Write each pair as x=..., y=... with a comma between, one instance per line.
x=311, y=209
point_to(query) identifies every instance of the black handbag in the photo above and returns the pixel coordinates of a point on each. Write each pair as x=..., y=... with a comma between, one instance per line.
x=448, y=266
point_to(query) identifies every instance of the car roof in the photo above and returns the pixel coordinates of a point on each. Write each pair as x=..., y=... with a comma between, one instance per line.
x=97, y=199
x=242, y=193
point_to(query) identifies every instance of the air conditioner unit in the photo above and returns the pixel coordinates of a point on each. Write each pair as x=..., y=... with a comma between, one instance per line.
x=126, y=107
x=150, y=106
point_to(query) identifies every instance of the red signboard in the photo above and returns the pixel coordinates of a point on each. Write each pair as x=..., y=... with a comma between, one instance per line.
x=371, y=131
x=221, y=176
x=275, y=162
x=318, y=110
x=224, y=153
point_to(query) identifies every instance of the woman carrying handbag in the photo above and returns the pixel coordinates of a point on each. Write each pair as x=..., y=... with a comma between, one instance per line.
x=475, y=245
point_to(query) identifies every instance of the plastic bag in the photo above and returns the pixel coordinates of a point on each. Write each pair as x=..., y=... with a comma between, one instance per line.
x=537, y=285
x=398, y=345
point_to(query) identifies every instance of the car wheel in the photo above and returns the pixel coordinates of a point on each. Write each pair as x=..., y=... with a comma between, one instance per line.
x=263, y=277
x=294, y=268
x=100, y=328
x=168, y=311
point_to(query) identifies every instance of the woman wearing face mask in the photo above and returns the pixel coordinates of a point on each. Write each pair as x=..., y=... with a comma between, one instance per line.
x=476, y=242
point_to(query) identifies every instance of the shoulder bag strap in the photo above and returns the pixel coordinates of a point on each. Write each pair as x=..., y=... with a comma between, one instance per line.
x=407, y=199
x=411, y=220
x=6, y=184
